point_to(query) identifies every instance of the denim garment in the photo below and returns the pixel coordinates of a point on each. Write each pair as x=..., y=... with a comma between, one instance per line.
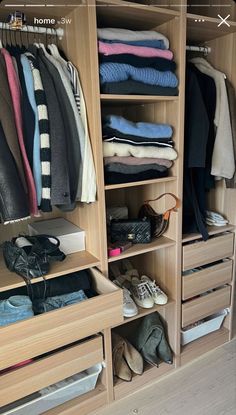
x=17, y=307
x=29, y=82
x=51, y=303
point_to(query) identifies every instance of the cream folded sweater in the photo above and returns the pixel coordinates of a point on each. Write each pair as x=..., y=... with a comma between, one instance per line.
x=122, y=150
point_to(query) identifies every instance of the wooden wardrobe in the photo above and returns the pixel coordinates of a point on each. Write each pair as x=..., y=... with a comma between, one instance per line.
x=166, y=257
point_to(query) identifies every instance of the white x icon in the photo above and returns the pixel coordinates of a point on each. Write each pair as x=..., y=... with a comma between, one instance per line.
x=223, y=20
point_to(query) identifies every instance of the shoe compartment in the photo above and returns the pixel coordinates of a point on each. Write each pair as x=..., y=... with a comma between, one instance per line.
x=205, y=305
x=39, y=334
x=204, y=252
x=151, y=371
x=198, y=280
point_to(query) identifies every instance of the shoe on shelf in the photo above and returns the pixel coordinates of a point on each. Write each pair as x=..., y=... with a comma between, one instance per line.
x=122, y=279
x=128, y=269
x=141, y=294
x=158, y=295
x=129, y=307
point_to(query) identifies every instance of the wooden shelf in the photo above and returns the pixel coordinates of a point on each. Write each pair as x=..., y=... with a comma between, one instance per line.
x=150, y=374
x=73, y=262
x=203, y=345
x=208, y=29
x=116, y=13
x=141, y=183
x=138, y=249
x=212, y=230
x=135, y=99
x=82, y=405
x=145, y=311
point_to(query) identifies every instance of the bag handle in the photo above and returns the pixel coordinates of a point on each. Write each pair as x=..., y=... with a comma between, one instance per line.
x=166, y=215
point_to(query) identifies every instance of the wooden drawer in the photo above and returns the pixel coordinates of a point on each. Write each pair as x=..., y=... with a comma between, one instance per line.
x=206, y=279
x=206, y=305
x=46, y=332
x=201, y=253
x=44, y=372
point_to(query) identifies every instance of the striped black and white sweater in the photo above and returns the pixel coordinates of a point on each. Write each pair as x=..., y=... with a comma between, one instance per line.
x=44, y=131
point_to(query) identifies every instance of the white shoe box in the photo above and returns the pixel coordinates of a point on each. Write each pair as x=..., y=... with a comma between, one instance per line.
x=71, y=237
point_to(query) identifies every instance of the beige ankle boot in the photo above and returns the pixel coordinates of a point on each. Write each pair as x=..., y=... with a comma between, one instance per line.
x=133, y=358
x=120, y=367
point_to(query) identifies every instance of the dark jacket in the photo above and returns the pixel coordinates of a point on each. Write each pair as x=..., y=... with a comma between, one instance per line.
x=72, y=137
x=13, y=199
x=60, y=185
x=195, y=151
x=232, y=109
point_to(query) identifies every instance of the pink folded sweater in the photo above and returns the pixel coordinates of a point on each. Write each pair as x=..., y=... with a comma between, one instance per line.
x=143, y=51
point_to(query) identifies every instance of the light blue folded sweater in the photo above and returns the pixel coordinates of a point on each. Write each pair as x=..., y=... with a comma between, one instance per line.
x=141, y=129
x=116, y=72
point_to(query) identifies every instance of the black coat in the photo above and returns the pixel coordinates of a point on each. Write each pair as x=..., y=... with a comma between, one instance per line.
x=199, y=142
x=13, y=199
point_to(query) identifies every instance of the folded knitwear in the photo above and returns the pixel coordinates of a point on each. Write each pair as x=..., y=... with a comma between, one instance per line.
x=116, y=178
x=127, y=169
x=160, y=64
x=137, y=143
x=111, y=33
x=115, y=72
x=150, y=43
x=141, y=129
x=112, y=132
x=137, y=161
x=118, y=48
x=157, y=63
x=116, y=149
x=131, y=87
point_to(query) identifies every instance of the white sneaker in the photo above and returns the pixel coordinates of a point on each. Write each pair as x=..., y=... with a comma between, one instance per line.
x=129, y=307
x=141, y=294
x=159, y=297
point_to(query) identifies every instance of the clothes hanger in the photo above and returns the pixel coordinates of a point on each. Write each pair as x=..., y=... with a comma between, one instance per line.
x=1, y=44
x=35, y=32
x=54, y=47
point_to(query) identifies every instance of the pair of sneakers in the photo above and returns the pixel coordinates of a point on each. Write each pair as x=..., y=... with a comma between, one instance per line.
x=144, y=291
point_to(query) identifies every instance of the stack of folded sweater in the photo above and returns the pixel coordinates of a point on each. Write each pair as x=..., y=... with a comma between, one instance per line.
x=136, y=62
x=136, y=151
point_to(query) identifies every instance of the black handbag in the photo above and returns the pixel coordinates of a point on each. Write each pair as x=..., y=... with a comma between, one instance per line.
x=137, y=231
x=35, y=262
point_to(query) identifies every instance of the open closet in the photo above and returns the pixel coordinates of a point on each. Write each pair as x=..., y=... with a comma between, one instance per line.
x=67, y=341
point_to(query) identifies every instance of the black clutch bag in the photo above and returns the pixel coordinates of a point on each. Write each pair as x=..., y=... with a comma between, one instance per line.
x=137, y=231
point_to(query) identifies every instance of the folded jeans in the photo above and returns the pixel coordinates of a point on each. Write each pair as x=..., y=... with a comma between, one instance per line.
x=15, y=308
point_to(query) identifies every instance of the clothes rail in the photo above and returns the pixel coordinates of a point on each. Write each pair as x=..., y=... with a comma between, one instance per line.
x=202, y=49
x=59, y=32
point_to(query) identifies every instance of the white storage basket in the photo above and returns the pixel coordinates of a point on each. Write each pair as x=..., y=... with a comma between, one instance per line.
x=211, y=323
x=61, y=392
